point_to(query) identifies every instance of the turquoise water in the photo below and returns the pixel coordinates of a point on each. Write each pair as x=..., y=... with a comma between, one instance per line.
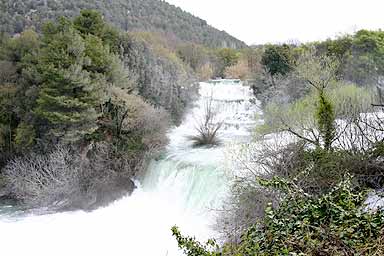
x=184, y=188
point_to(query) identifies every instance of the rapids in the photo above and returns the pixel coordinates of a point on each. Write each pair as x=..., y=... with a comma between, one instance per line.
x=182, y=188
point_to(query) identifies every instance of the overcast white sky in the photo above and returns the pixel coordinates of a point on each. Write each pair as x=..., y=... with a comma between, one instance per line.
x=261, y=21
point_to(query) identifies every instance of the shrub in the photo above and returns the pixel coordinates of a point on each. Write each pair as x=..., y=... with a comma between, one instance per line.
x=314, y=170
x=332, y=224
x=207, y=128
x=191, y=247
x=65, y=179
x=44, y=180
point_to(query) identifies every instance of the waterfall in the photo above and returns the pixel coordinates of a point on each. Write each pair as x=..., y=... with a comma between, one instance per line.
x=182, y=188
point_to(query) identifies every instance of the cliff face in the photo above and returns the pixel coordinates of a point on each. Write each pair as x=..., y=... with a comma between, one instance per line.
x=130, y=15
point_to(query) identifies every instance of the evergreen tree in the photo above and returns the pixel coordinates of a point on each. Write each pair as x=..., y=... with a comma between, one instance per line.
x=277, y=59
x=68, y=94
x=89, y=22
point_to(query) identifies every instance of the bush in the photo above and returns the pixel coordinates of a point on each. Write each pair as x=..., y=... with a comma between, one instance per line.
x=332, y=224
x=64, y=179
x=44, y=180
x=207, y=128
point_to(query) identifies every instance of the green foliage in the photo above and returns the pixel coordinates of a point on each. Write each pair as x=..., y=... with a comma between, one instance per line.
x=356, y=59
x=25, y=136
x=361, y=56
x=72, y=85
x=17, y=80
x=64, y=81
x=333, y=224
x=325, y=117
x=347, y=100
x=193, y=54
x=17, y=49
x=68, y=94
x=99, y=57
x=191, y=247
x=8, y=118
x=277, y=60
x=111, y=37
x=338, y=48
x=89, y=22
x=227, y=57
x=297, y=115
x=133, y=15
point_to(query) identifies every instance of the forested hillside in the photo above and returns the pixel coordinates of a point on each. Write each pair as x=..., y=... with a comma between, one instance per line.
x=87, y=105
x=129, y=15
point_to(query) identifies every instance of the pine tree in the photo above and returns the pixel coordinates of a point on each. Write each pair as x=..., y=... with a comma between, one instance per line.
x=69, y=95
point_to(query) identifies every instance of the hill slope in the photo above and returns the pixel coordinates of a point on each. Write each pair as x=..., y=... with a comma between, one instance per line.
x=131, y=15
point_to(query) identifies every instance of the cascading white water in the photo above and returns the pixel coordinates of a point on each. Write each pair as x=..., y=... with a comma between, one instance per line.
x=181, y=189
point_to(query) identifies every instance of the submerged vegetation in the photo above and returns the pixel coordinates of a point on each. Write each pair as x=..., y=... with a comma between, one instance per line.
x=208, y=128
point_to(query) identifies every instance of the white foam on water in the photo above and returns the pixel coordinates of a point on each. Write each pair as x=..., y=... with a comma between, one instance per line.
x=181, y=189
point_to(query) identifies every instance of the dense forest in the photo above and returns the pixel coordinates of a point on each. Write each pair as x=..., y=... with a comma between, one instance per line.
x=133, y=15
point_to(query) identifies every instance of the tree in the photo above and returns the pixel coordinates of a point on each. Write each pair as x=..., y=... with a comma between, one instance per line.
x=227, y=57
x=311, y=118
x=319, y=72
x=325, y=117
x=17, y=60
x=240, y=70
x=8, y=118
x=68, y=94
x=16, y=49
x=89, y=22
x=277, y=59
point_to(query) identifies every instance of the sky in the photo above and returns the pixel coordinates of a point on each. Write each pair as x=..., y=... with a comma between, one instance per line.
x=278, y=21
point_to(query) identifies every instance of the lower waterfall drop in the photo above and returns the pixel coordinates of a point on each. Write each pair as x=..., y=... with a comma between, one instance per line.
x=183, y=188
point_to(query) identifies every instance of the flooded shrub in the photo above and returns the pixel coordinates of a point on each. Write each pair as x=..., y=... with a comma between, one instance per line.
x=207, y=129
x=44, y=180
x=65, y=179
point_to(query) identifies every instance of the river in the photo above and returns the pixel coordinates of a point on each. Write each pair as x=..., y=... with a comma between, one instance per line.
x=182, y=188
